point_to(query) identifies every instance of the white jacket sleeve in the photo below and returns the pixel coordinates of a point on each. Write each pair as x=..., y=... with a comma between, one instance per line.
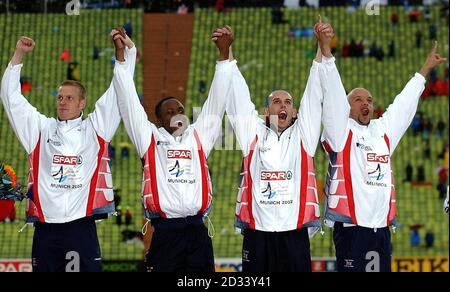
x=336, y=109
x=25, y=120
x=136, y=122
x=241, y=111
x=106, y=118
x=310, y=111
x=209, y=122
x=399, y=114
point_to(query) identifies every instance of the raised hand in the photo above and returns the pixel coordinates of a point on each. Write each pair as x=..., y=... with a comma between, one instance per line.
x=316, y=27
x=118, y=36
x=25, y=45
x=433, y=60
x=223, y=38
x=324, y=34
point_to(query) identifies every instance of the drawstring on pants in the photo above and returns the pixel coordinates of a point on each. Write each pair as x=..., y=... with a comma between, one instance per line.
x=144, y=228
x=211, y=231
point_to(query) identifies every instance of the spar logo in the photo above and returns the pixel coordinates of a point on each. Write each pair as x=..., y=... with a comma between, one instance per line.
x=179, y=154
x=377, y=172
x=67, y=160
x=64, y=166
x=373, y=157
x=276, y=175
x=177, y=169
x=180, y=167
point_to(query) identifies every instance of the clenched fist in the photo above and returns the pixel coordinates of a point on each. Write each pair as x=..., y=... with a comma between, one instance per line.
x=223, y=38
x=25, y=45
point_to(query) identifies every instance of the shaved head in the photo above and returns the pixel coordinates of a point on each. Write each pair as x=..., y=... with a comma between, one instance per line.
x=276, y=93
x=280, y=93
x=359, y=91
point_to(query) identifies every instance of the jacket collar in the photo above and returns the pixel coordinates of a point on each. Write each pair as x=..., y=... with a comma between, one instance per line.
x=70, y=123
x=358, y=126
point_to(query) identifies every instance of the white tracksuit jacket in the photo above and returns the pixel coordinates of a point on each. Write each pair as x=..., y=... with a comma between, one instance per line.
x=176, y=181
x=360, y=184
x=69, y=175
x=278, y=186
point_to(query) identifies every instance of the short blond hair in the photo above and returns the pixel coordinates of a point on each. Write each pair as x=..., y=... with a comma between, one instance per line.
x=77, y=84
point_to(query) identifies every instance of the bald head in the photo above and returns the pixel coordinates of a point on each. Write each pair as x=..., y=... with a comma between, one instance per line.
x=279, y=93
x=359, y=91
x=361, y=105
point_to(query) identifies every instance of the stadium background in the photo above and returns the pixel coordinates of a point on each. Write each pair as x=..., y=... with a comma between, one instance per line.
x=274, y=49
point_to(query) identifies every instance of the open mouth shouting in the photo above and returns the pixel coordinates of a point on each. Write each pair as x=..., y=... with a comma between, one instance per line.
x=282, y=116
x=365, y=112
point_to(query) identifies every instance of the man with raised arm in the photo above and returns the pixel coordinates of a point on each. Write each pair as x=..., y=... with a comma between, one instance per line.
x=70, y=182
x=176, y=186
x=360, y=192
x=277, y=201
